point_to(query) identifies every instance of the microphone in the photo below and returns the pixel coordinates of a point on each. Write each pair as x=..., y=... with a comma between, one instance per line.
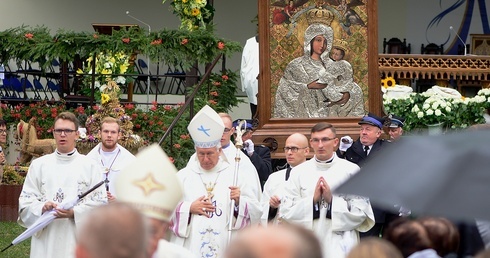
x=148, y=81
x=464, y=44
x=134, y=18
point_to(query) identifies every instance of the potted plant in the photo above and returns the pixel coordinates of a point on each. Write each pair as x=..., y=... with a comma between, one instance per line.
x=10, y=189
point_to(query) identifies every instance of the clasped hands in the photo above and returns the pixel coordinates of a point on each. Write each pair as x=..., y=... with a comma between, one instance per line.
x=60, y=213
x=322, y=191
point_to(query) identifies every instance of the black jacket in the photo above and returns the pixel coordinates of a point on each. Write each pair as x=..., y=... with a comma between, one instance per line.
x=261, y=159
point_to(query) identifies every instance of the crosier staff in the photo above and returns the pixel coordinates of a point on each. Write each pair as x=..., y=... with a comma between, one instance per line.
x=238, y=144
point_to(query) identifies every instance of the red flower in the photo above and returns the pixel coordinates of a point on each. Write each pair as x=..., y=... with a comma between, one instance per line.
x=29, y=35
x=129, y=106
x=80, y=110
x=171, y=159
x=184, y=41
x=221, y=45
x=156, y=42
x=214, y=93
x=95, y=107
x=177, y=146
x=212, y=102
x=167, y=108
x=137, y=126
x=151, y=122
x=134, y=116
x=126, y=40
x=153, y=108
x=225, y=77
x=39, y=111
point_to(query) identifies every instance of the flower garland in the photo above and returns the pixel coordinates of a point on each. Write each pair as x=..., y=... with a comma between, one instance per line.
x=192, y=13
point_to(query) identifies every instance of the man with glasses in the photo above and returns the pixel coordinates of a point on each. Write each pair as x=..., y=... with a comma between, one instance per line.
x=3, y=141
x=296, y=150
x=110, y=156
x=309, y=201
x=53, y=180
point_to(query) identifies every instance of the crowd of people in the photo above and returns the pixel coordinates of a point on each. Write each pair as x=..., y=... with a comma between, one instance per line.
x=226, y=202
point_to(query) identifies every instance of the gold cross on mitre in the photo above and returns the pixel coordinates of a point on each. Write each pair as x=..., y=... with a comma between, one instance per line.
x=149, y=184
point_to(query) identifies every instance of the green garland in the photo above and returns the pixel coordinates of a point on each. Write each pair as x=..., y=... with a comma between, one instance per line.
x=173, y=47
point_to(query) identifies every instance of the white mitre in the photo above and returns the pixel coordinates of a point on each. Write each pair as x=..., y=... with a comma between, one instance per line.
x=150, y=184
x=206, y=128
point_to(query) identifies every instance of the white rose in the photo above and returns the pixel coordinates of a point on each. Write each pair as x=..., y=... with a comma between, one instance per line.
x=420, y=114
x=448, y=109
x=429, y=112
x=438, y=112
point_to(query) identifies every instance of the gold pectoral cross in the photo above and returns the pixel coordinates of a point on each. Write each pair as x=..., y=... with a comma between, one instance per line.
x=209, y=189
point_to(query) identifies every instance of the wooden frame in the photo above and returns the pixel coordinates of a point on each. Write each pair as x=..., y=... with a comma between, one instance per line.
x=480, y=44
x=274, y=131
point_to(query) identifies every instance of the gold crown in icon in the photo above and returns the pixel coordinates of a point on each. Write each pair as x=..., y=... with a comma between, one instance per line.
x=319, y=15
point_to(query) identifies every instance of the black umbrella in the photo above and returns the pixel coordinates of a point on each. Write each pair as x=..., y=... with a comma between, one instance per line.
x=446, y=175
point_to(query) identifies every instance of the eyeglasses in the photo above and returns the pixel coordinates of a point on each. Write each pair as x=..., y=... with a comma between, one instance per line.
x=227, y=130
x=3, y=131
x=66, y=131
x=293, y=149
x=323, y=140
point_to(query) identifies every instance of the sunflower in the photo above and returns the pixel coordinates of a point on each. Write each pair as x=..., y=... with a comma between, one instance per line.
x=104, y=98
x=388, y=82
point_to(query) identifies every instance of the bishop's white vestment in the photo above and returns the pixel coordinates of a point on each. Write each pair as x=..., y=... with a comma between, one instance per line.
x=207, y=237
x=58, y=178
x=339, y=223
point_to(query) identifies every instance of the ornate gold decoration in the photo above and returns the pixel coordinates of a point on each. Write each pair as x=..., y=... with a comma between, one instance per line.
x=149, y=184
x=341, y=44
x=319, y=15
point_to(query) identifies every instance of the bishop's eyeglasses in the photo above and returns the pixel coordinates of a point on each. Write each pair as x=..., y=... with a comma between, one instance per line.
x=66, y=131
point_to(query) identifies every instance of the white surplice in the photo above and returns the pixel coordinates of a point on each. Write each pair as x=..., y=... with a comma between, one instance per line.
x=111, y=167
x=249, y=69
x=275, y=185
x=349, y=214
x=207, y=237
x=58, y=178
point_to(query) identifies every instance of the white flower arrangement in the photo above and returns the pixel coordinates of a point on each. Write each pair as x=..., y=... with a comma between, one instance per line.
x=438, y=105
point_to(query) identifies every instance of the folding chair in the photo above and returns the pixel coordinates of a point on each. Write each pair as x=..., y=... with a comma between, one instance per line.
x=27, y=85
x=39, y=87
x=144, y=72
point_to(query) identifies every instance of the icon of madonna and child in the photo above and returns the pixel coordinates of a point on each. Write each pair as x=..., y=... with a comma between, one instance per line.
x=319, y=83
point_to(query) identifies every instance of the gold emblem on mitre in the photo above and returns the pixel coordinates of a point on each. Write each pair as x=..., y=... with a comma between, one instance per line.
x=319, y=15
x=150, y=184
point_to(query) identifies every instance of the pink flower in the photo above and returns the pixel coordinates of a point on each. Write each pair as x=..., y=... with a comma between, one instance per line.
x=156, y=42
x=126, y=40
x=184, y=41
x=29, y=35
x=225, y=77
x=214, y=93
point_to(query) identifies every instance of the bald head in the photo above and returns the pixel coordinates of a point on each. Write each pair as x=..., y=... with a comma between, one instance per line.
x=296, y=149
x=113, y=231
x=281, y=241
